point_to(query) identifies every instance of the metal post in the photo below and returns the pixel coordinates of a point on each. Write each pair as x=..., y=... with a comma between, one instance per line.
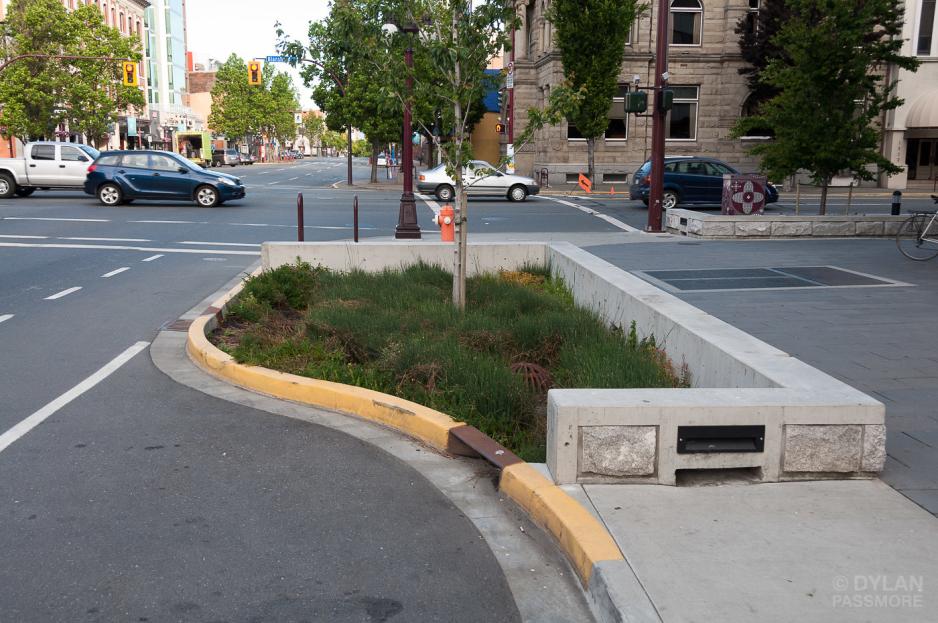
x=896, y=203
x=797, y=197
x=299, y=217
x=849, y=199
x=659, y=116
x=350, y=155
x=407, y=227
x=355, y=216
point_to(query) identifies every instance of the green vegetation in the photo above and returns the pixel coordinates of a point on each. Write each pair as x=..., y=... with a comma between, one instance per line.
x=398, y=333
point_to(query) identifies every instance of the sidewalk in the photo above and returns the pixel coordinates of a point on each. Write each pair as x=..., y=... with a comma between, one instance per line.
x=813, y=552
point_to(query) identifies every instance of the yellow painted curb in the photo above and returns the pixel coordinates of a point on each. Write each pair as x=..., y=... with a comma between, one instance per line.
x=582, y=537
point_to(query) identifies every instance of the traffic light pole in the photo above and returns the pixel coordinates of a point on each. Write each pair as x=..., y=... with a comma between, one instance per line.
x=659, y=116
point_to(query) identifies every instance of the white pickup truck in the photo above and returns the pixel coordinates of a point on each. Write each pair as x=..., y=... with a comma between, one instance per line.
x=46, y=165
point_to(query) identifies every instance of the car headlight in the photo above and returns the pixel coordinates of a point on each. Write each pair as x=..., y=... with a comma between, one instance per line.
x=225, y=180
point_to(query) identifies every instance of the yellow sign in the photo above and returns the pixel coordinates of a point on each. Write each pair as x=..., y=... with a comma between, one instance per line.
x=131, y=79
x=585, y=183
x=254, y=73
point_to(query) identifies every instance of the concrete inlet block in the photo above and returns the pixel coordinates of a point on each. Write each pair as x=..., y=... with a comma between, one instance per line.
x=618, y=450
x=822, y=448
x=874, y=448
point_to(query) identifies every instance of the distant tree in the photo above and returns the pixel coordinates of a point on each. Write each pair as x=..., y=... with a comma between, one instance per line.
x=591, y=38
x=757, y=30
x=831, y=89
x=39, y=94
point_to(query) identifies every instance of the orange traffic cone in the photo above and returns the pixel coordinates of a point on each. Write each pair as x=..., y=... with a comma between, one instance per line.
x=612, y=190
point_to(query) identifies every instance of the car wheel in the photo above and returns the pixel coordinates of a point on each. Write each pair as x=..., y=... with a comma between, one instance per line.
x=206, y=196
x=110, y=194
x=24, y=191
x=517, y=193
x=7, y=186
x=445, y=192
x=231, y=165
x=669, y=199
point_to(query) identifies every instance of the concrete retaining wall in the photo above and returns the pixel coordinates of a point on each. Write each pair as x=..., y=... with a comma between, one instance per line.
x=815, y=425
x=702, y=225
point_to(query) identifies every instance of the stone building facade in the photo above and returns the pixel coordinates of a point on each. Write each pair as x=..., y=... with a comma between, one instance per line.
x=710, y=94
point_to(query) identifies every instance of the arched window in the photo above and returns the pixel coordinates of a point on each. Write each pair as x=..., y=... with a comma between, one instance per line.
x=123, y=23
x=686, y=22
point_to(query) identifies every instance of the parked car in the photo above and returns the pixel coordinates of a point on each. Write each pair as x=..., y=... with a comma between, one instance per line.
x=121, y=176
x=45, y=165
x=229, y=157
x=247, y=159
x=689, y=180
x=480, y=178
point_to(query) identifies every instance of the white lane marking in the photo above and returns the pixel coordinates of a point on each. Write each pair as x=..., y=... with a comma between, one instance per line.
x=115, y=272
x=433, y=205
x=612, y=221
x=250, y=224
x=107, y=239
x=42, y=414
x=113, y=247
x=26, y=237
x=294, y=226
x=63, y=293
x=173, y=222
x=152, y=257
x=272, y=183
x=293, y=178
x=222, y=244
x=71, y=220
x=5, y=317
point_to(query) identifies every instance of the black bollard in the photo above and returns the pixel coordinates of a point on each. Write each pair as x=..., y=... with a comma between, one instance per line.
x=299, y=217
x=355, y=216
x=896, y=203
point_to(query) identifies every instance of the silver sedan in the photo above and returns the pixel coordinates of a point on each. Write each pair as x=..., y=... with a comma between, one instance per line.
x=480, y=178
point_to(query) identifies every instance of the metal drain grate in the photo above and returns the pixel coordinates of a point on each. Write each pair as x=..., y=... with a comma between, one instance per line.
x=704, y=280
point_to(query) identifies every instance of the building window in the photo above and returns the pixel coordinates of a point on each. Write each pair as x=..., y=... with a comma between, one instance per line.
x=926, y=27
x=682, y=118
x=618, y=128
x=752, y=17
x=686, y=22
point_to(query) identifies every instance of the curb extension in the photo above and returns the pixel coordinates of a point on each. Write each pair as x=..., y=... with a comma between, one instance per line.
x=583, y=539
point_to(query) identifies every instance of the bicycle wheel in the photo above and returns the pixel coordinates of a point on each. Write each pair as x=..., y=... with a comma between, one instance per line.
x=914, y=241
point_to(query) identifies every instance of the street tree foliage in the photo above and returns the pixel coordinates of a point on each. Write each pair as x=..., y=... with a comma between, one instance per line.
x=757, y=45
x=591, y=37
x=38, y=95
x=243, y=110
x=832, y=90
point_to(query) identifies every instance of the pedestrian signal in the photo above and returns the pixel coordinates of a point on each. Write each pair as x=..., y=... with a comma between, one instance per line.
x=130, y=75
x=254, y=73
x=499, y=128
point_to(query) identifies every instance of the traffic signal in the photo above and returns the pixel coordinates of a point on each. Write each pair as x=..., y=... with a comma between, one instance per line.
x=499, y=128
x=636, y=102
x=667, y=99
x=254, y=73
x=130, y=75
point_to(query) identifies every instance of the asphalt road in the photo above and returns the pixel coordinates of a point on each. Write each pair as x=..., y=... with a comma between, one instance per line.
x=126, y=496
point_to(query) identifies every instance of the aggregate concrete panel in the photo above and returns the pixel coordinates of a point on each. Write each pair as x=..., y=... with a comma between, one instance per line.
x=618, y=450
x=874, y=448
x=791, y=229
x=753, y=229
x=870, y=228
x=815, y=448
x=834, y=228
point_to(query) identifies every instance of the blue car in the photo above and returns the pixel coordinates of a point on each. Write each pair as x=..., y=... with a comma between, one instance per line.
x=689, y=181
x=121, y=176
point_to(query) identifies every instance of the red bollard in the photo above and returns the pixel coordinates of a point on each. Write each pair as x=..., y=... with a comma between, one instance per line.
x=355, y=216
x=299, y=217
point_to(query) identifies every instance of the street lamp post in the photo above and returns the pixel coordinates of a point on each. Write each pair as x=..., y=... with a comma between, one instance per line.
x=407, y=227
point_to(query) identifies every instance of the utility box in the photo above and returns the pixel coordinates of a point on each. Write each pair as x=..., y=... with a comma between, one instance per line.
x=743, y=193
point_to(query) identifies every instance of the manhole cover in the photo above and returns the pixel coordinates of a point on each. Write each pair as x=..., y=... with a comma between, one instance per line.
x=762, y=278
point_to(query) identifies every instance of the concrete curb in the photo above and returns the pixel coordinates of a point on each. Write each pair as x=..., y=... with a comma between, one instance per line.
x=583, y=539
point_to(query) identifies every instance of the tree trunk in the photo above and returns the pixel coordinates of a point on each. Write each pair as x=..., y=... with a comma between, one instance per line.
x=459, y=271
x=822, y=209
x=591, y=159
x=374, y=163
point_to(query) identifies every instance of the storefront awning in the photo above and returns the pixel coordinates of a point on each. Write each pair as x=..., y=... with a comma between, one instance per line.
x=923, y=113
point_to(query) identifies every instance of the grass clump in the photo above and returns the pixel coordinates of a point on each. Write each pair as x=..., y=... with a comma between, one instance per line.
x=397, y=332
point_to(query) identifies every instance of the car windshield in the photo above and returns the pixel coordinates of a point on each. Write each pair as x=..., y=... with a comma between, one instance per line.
x=184, y=162
x=91, y=151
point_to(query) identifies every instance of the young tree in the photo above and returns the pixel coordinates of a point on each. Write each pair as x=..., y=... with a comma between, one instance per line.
x=831, y=89
x=234, y=101
x=459, y=38
x=591, y=37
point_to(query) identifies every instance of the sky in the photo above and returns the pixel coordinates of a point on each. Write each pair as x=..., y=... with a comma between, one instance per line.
x=218, y=28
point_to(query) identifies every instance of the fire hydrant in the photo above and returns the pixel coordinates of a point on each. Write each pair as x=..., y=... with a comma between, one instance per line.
x=446, y=221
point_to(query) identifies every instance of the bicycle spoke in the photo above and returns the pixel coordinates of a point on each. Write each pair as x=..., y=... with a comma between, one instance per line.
x=918, y=238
